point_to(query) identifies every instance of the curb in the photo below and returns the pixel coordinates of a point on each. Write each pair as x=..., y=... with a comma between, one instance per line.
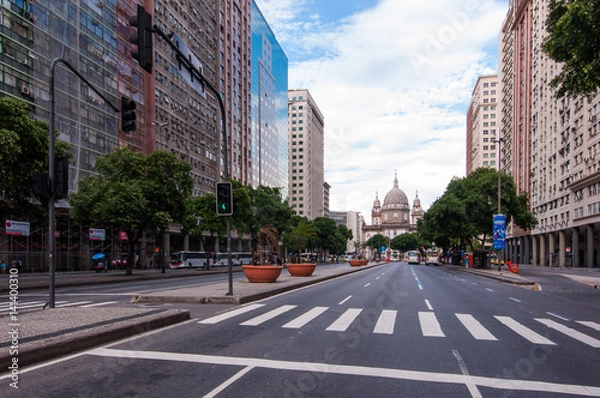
x=243, y=299
x=500, y=278
x=67, y=344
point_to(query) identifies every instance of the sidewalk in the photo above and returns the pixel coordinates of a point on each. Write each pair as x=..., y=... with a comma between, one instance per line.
x=37, y=336
x=504, y=275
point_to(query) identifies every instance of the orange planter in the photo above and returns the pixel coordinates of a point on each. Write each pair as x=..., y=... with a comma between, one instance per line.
x=303, y=269
x=262, y=273
x=355, y=263
x=365, y=262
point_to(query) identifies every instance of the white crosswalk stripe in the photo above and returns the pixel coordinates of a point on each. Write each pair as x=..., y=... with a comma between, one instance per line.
x=430, y=327
x=343, y=322
x=386, y=323
x=5, y=307
x=231, y=314
x=28, y=305
x=477, y=330
x=524, y=331
x=305, y=318
x=268, y=316
x=593, y=325
x=584, y=338
x=99, y=304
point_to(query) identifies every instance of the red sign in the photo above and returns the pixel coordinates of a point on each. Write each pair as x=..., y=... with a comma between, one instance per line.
x=123, y=235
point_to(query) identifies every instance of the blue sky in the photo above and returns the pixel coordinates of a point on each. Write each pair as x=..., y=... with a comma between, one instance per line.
x=393, y=80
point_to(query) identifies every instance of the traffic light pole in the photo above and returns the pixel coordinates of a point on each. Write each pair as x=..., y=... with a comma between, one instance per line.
x=51, y=167
x=188, y=64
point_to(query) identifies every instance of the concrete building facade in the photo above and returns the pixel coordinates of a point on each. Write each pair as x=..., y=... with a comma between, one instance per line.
x=551, y=148
x=482, y=124
x=306, y=129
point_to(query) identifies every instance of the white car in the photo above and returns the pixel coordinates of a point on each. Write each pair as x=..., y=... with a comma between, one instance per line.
x=413, y=257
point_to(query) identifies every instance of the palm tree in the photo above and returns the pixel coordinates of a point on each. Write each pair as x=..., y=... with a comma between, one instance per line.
x=268, y=240
x=301, y=234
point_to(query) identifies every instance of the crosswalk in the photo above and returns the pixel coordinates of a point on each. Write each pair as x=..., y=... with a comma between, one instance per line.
x=32, y=305
x=428, y=321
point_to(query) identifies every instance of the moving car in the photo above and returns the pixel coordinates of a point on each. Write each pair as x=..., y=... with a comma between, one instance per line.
x=413, y=257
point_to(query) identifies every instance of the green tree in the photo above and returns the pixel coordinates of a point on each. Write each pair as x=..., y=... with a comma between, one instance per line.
x=342, y=236
x=136, y=193
x=23, y=152
x=465, y=212
x=300, y=237
x=266, y=207
x=376, y=241
x=408, y=241
x=325, y=240
x=573, y=30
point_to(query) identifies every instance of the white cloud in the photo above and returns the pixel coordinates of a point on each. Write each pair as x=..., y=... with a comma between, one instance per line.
x=393, y=83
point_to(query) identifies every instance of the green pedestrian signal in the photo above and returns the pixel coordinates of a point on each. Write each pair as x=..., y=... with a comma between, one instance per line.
x=224, y=199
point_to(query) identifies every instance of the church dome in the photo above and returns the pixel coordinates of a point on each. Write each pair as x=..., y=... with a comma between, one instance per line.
x=395, y=197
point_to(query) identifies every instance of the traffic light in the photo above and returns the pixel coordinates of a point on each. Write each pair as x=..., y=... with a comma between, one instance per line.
x=142, y=37
x=127, y=115
x=40, y=185
x=224, y=199
x=61, y=178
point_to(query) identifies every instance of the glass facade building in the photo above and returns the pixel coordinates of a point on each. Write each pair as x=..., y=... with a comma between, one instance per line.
x=269, y=107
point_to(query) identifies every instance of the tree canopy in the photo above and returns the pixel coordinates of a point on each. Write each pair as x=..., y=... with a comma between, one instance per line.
x=573, y=30
x=463, y=214
x=134, y=192
x=23, y=152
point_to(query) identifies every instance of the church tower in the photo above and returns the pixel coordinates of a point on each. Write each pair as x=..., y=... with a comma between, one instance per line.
x=417, y=211
x=376, y=211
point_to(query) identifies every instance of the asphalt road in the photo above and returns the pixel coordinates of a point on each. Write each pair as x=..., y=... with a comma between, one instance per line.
x=395, y=330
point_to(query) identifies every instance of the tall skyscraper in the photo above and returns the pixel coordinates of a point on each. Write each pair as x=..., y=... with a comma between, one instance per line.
x=269, y=107
x=306, y=154
x=482, y=124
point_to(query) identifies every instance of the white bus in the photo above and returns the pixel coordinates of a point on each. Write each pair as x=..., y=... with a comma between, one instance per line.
x=236, y=259
x=188, y=259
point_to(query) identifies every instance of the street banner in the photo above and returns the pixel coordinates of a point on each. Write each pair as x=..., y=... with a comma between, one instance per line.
x=17, y=228
x=499, y=231
x=97, y=234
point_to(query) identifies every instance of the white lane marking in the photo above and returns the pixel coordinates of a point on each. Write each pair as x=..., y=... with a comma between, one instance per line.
x=268, y=315
x=430, y=325
x=463, y=369
x=377, y=278
x=554, y=314
x=593, y=325
x=344, y=321
x=523, y=331
x=489, y=290
x=515, y=299
x=575, y=334
x=99, y=304
x=477, y=330
x=389, y=373
x=428, y=304
x=305, y=318
x=344, y=300
x=386, y=322
x=67, y=304
x=229, y=382
x=368, y=284
x=230, y=314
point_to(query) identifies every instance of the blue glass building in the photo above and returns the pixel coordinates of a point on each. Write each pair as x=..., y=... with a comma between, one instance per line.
x=269, y=107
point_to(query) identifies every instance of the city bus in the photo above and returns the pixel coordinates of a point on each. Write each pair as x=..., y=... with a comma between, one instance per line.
x=188, y=259
x=237, y=258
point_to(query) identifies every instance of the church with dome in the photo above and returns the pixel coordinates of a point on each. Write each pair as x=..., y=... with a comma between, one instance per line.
x=395, y=217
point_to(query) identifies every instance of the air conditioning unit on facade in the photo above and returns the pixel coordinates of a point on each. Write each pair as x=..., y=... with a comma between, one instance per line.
x=25, y=90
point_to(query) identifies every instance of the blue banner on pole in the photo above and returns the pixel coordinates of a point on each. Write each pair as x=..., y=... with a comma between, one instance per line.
x=499, y=231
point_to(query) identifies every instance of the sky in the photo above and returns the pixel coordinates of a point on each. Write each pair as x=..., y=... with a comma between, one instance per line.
x=393, y=80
